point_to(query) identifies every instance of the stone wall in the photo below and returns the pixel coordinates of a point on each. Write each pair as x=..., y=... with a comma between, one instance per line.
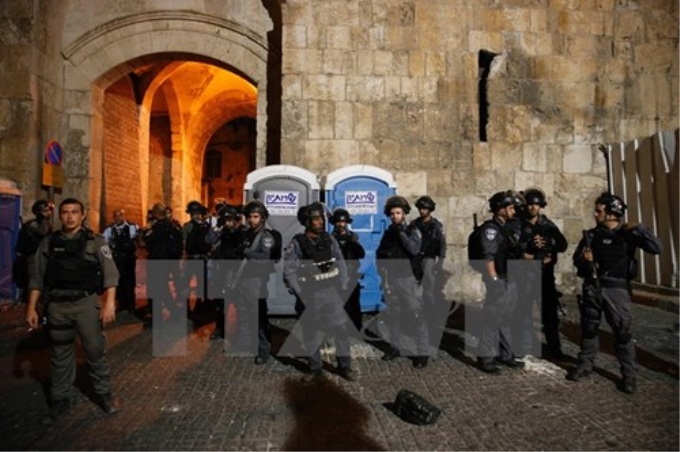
x=395, y=83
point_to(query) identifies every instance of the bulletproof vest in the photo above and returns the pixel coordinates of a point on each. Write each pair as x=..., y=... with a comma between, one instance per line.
x=29, y=238
x=501, y=259
x=195, y=242
x=431, y=245
x=229, y=243
x=393, y=249
x=122, y=244
x=70, y=266
x=321, y=251
x=347, y=245
x=612, y=253
x=513, y=232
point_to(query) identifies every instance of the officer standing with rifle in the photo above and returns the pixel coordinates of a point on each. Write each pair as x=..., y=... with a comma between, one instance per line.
x=73, y=268
x=605, y=259
x=352, y=251
x=398, y=260
x=121, y=237
x=315, y=272
x=542, y=240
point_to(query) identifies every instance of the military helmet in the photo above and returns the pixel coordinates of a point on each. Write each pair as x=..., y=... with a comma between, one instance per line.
x=315, y=209
x=228, y=212
x=396, y=201
x=425, y=202
x=535, y=195
x=612, y=204
x=500, y=200
x=160, y=210
x=39, y=205
x=255, y=206
x=341, y=214
x=196, y=207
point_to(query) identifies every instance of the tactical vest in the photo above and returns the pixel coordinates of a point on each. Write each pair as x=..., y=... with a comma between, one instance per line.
x=431, y=245
x=122, y=244
x=392, y=249
x=195, y=242
x=70, y=266
x=502, y=253
x=612, y=254
x=321, y=254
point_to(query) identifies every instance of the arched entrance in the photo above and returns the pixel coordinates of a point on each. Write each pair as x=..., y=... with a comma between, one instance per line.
x=169, y=77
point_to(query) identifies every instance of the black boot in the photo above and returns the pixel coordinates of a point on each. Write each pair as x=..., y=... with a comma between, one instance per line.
x=579, y=373
x=58, y=409
x=488, y=366
x=628, y=384
x=391, y=354
x=104, y=401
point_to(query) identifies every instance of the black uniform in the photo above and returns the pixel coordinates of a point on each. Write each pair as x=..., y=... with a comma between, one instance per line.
x=606, y=288
x=555, y=243
x=70, y=272
x=30, y=235
x=401, y=270
x=124, y=249
x=196, y=251
x=432, y=255
x=501, y=295
x=352, y=251
x=315, y=271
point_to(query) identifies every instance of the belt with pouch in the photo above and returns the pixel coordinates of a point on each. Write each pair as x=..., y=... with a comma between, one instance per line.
x=68, y=296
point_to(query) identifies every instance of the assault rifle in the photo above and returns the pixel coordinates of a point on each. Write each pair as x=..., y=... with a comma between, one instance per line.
x=592, y=265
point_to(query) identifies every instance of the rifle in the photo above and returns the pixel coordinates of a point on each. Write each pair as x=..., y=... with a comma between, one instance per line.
x=474, y=219
x=591, y=264
x=234, y=281
x=385, y=283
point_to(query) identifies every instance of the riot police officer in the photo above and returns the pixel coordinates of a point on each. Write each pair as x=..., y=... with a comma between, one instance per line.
x=255, y=249
x=352, y=251
x=315, y=271
x=432, y=256
x=30, y=235
x=401, y=271
x=73, y=267
x=225, y=257
x=121, y=237
x=501, y=294
x=542, y=240
x=605, y=259
x=196, y=249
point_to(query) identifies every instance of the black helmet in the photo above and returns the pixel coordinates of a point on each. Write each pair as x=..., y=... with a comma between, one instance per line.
x=228, y=212
x=612, y=204
x=255, y=206
x=196, y=207
x=425, y=202
x=315, y=209
x=39, y=205
x=396, y=201
x=500, y=200
x=535, y=196
x=341, y=214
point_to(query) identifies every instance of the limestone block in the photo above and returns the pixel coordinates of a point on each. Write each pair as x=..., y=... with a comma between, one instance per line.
x=376, y=38
x=296, y=13
x=410, y=91
x=435, y=64
x=416, y=61
x=316, y=36
x=335, y=13
x=382, y=62
x=506, y=156
x=464, y=207
x=578, y=158
x=339, y=62
x=361, y=88
x=294, y=119
x=589, y=46
x=629, y=25
x=363, y=120
x=487, y=40
x=321, y=120
x=518, y=125
x=534, y=157
x=369, y=153
x=339, y=37
x=428, y=89
x=490, y=182
x=344, y=120
x=302, y=61
x=400, y=38
x=291, y=87
x=324, y=87
x=411, y=183
x=481, y=157
x=656, y=56
x=580, y=22
x=364, y=62
x=540, y=22
x=294, y=37
x=573, y=229
x=393, y=89
x=359, y=37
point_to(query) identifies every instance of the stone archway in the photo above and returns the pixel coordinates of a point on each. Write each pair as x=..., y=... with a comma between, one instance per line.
x=98, y=58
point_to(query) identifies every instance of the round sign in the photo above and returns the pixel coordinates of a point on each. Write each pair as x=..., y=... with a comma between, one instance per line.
x=54, y=153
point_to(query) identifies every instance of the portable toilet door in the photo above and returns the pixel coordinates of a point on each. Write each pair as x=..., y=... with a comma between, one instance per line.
x=283, y=189
x=10, y=223
x=363, y=190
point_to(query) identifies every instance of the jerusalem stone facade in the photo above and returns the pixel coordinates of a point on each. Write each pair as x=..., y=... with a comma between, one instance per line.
x=331, y=83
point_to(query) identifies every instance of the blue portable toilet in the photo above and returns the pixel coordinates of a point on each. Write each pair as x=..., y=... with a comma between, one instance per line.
x=10, y=223
x=283, y=189
x=363, y=190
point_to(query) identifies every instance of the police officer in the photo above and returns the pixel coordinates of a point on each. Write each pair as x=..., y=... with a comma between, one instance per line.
x=163, y=243
x=255, y=252
x=501, y=294
x=121, y=237
x=401, y=271
x=30, y=235
x=542, y=240
x=432, y=255
x=196, y=250
x=315, y=271
x=225, y=257
x=352, y=251
x=73, y=267
x=605, y=259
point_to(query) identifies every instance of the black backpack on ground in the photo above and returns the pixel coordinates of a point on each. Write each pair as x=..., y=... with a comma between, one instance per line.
x=415, y=409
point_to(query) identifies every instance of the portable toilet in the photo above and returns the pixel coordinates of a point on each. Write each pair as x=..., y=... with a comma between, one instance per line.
x=10, y=223
x=363, y=190
x=283, y=189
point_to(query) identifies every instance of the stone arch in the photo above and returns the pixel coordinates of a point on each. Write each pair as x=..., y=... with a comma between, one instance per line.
x=110, y=51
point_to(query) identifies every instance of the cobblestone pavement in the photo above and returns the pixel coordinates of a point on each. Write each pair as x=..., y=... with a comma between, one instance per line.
x=208, y=401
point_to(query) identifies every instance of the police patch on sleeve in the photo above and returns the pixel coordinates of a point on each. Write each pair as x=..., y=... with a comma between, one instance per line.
x=491, y=234
x=268, y=242
x=106, y=251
